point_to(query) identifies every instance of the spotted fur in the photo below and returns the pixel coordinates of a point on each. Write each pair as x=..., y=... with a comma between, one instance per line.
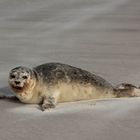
x=52, y=83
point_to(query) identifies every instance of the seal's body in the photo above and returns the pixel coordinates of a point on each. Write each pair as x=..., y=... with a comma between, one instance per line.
x=51, y=83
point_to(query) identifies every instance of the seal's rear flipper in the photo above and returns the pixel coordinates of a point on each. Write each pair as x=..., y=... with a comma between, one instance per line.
x=127, y=90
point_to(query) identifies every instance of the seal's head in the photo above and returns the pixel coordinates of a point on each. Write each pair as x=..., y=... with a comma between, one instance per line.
x=21, y=79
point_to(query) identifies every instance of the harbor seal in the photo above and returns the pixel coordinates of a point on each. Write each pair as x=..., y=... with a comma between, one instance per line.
x=52, y=83
x=127, y=90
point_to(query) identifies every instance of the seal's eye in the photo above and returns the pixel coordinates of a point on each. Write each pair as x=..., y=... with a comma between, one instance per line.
x=24, y=77
x=12, y=76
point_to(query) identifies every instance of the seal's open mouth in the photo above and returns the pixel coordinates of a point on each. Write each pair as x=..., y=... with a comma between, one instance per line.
x=17, y=88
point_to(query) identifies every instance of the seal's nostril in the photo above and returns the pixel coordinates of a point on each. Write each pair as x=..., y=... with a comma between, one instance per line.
x=17, y=82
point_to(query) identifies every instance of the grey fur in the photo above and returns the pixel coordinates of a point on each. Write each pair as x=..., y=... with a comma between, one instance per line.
x=54, y=72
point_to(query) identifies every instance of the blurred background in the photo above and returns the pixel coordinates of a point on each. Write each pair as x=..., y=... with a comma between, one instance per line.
x=101, y=36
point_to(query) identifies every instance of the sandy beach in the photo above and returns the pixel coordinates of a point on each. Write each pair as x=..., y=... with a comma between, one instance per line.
x=101, y=36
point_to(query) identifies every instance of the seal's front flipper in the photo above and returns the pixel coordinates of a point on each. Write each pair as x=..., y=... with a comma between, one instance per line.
x=48, y=103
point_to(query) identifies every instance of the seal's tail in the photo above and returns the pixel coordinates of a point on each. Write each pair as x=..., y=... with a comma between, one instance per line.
x=126, y=90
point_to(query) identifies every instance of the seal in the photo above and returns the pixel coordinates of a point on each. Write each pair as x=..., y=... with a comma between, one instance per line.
x=52, y=83
x=127, y=90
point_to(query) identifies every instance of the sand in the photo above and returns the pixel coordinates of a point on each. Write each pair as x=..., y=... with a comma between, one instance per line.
x=101, y=36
